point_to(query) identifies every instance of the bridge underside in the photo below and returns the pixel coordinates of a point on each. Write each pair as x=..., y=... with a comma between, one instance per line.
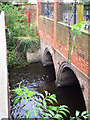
x=49, y=55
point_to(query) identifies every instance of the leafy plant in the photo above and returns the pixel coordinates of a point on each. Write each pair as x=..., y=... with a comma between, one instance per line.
x=77, y=28
x=17, y=27
x=45, y=104
x=17, y=56
x=80, y=116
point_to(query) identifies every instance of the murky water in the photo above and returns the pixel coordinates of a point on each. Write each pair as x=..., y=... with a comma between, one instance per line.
x=38, y=78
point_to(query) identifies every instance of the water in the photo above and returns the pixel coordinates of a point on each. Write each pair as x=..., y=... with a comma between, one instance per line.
x=38, y=78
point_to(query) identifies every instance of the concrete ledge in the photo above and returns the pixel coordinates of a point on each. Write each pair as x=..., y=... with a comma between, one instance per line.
x=33, y=57
x=67, y=25
x=50, y=19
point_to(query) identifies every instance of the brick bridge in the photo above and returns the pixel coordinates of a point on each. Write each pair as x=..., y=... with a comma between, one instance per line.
x=56, y=49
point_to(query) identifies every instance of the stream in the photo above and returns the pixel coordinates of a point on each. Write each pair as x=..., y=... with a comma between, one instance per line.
x=38, y=78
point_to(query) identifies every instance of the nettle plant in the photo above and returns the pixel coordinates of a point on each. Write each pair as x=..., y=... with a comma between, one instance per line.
x=45, y=103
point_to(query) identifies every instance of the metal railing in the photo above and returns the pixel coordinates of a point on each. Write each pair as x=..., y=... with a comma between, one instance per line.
x=47, y=9
x=70, y=13
x=20, y=15
x=66, y=13
x=86, y=15
x=73, y=13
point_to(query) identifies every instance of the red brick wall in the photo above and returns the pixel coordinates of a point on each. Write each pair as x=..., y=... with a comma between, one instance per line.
x=62, y=39
x=32, y=8
x=46, y=28
x=79, y=47
x=81, y=52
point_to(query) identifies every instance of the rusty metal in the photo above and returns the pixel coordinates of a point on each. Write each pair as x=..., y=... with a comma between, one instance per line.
x=28, y=19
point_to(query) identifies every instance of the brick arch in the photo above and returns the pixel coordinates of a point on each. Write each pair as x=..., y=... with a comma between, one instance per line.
x=60, y=64
x=66, y=67
x=47, y=57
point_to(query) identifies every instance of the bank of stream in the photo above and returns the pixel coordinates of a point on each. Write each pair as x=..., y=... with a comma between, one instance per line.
x=38, y=78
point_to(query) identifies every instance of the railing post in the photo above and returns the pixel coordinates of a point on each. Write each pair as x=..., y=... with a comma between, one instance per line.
x=6, y=24
x=38, y=10
x=28, y=19
x=80, y=8
x=48, y=8
x=55, y=19
x=75, y=12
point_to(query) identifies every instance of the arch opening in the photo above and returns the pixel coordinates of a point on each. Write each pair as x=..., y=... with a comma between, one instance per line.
x=70, y=83
x=47, y=57
x=68, y=77
x=48, y=63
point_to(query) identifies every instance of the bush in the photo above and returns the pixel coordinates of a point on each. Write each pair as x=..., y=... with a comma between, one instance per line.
x=17, y=56
x=18, y=28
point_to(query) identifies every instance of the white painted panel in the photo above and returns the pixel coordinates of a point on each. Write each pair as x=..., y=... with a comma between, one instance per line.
x=3, y=70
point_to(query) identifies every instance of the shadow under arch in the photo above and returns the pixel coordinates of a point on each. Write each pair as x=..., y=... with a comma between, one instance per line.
x=48, y=62
x=67, y=78
x=47, y=57
x=66, y=75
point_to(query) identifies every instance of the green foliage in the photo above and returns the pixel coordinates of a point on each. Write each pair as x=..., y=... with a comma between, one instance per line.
x=16, y=24
x=17, y=56
x=17, y=27
x=87, y=2
x=77, y=28
x=11, y=13
x=45, y=104
x=79, y=116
